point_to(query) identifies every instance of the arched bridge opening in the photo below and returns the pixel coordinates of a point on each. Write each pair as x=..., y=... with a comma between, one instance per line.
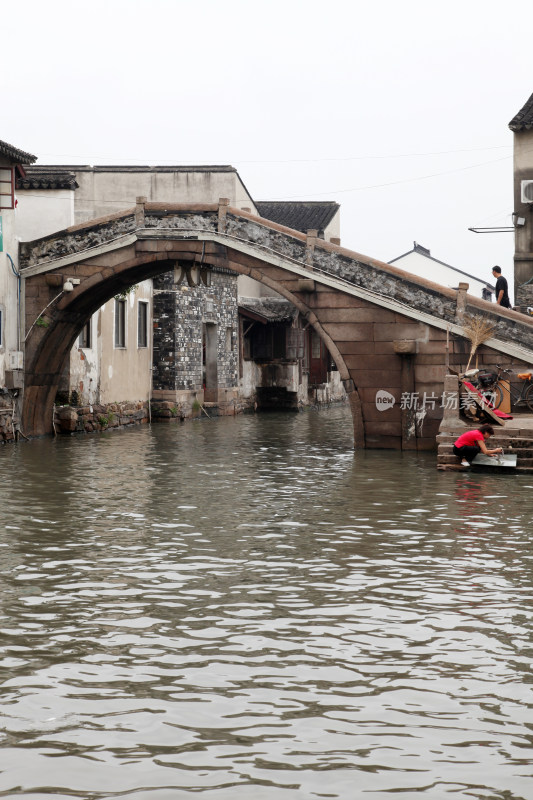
x=55, y=317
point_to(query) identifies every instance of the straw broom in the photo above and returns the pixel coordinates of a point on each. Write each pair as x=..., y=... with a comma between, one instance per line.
x=477, y=330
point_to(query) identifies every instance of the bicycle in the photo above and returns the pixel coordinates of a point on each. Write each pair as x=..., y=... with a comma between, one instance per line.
x=492, y=390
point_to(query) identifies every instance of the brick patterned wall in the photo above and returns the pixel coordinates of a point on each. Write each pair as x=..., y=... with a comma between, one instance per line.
x=179, y=314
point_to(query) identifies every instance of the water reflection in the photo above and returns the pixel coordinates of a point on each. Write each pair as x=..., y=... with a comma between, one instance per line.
x=249, y=608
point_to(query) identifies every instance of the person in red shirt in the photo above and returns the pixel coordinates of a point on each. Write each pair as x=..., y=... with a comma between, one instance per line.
x=469, y=444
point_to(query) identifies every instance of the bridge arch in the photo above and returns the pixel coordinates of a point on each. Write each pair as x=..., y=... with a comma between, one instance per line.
x=53, y=332
x=385, y=329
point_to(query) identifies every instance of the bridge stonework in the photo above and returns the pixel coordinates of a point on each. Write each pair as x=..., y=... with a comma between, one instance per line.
x=386, y=330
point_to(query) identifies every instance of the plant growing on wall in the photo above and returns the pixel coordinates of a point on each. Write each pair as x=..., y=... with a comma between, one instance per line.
x=124, y=294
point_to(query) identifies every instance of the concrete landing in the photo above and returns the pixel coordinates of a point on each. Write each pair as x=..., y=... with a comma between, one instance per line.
x=493, y=462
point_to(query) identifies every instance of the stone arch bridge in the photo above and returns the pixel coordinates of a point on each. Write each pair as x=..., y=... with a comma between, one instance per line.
x=386, y=330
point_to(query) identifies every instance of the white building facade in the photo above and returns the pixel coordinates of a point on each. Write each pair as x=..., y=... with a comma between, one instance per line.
x=12, y=161
x=420, y=262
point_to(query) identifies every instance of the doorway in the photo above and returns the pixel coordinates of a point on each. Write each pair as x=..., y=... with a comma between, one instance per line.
x=209, y=361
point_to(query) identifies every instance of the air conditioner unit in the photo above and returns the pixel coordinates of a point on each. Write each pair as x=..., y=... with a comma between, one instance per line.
x=526, y=191
x=15, y=359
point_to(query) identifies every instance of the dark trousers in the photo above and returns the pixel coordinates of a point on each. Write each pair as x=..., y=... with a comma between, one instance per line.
x=468, y=452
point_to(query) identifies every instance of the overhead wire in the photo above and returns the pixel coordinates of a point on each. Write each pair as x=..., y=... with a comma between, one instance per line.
x=398, y=182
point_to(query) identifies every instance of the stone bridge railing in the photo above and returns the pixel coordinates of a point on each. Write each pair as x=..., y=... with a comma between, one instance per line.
x=235, y=229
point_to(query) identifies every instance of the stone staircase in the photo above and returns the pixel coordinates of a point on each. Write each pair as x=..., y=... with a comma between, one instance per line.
x=517, y=440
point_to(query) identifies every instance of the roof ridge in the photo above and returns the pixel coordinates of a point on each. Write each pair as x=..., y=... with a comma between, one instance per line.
x=15, y=154
x=523, y=121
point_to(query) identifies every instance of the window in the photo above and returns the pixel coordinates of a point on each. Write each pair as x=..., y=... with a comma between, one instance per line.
x=7, y=194
x=142, y=324
x=85, y=336
x=295, y=344
x=120, y=323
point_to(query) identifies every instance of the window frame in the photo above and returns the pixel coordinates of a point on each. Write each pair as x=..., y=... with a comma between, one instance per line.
x=120, y=324
x=141, y=345
x=85, y=339
x=11, y=184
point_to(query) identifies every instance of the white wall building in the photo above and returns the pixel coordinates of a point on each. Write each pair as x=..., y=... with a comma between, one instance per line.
x=11, y=311
x=522, y=127
x=420, y=262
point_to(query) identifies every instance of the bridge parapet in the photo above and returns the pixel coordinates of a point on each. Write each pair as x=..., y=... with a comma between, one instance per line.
x=76, y=239
x=384, y=280
x=236, y=228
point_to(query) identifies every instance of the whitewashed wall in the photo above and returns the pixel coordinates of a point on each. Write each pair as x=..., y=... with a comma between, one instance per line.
x=432, y=270
x=43, y=211
x=10, y=340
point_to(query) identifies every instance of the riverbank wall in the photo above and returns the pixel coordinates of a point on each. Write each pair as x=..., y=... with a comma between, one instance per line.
x=8, y=419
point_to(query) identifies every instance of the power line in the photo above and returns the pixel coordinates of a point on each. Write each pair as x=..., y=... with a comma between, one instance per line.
x=371, y=157
x=396, y=183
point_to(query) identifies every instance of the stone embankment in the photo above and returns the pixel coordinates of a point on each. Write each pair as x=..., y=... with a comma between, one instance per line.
x=167, y=411
x=86, y=419
x=7, y=422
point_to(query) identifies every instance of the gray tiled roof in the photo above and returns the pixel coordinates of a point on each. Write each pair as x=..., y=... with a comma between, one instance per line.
x=16, y=155
x=272, y=309
x=523, y=121
x=45, y=179
x=300, y=216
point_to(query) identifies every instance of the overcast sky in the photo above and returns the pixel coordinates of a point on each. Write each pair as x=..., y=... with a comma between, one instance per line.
x=399, y=111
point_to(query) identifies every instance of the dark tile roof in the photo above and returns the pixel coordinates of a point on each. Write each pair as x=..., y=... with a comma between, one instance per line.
x=299, y=216
x=524, y=119
x=271, y=309
x=16, y=155
x=39, y=178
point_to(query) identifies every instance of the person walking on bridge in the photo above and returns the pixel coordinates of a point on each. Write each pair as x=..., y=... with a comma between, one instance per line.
x=502, y=290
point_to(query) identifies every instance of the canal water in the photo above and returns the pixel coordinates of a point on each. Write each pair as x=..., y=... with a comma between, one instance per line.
x=246, y=609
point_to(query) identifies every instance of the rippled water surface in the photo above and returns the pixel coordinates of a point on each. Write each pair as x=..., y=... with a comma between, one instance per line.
x=247, y=608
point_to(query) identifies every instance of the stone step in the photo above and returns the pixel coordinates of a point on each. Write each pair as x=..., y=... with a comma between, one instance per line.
x=502, y=438
x=525, y=444
x=521, y=452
